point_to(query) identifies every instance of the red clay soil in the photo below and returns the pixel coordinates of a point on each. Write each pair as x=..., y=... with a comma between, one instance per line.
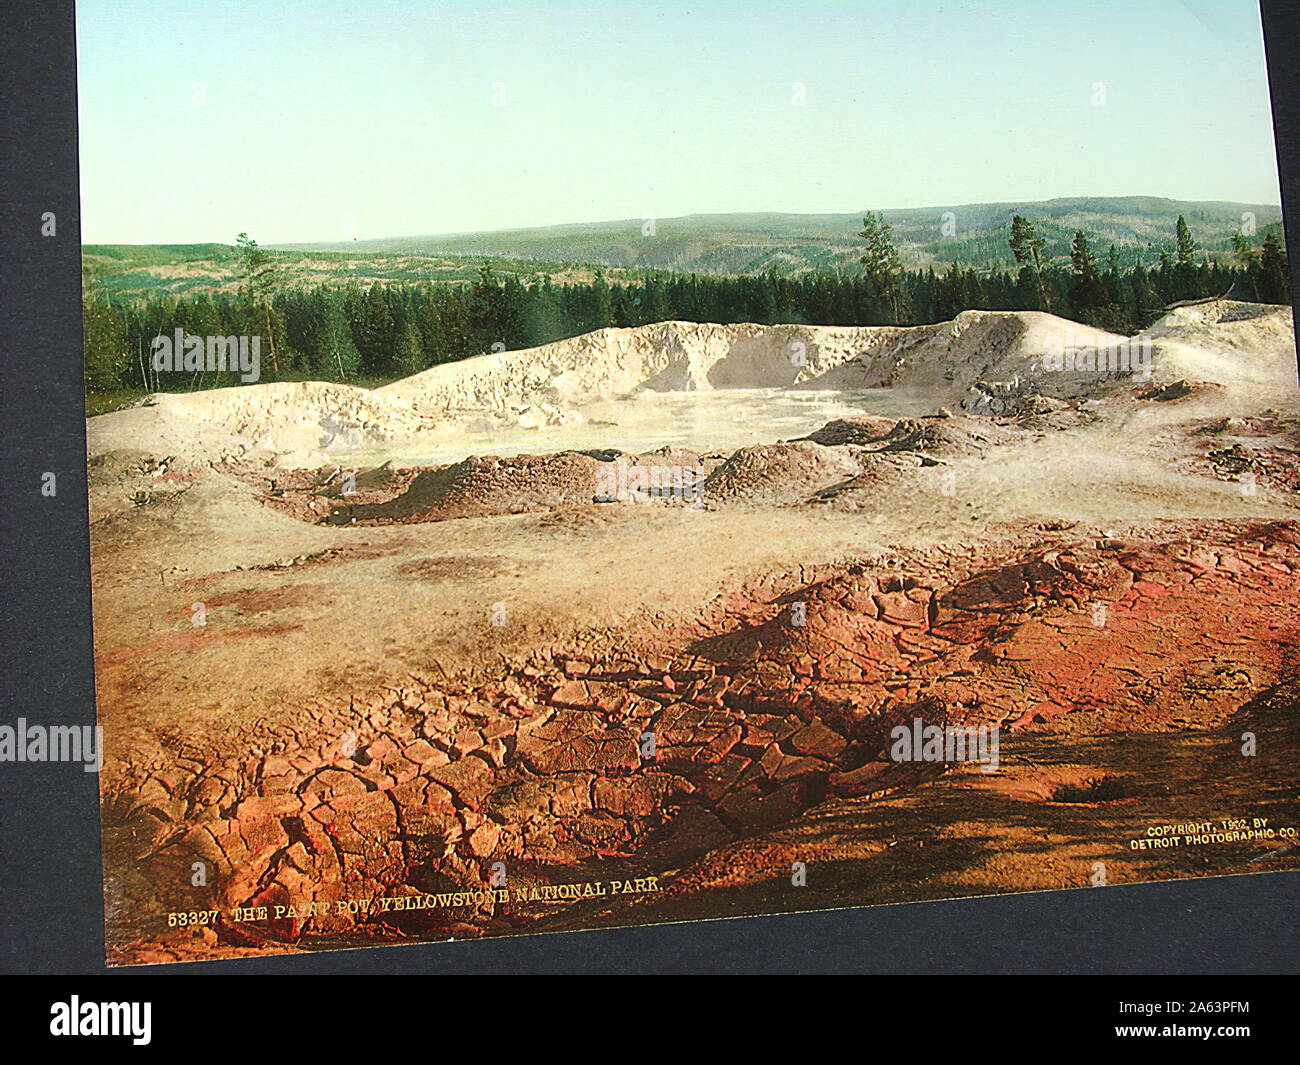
x=657, y=762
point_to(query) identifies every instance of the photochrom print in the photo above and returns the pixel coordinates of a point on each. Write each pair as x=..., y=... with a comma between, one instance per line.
x=567, y=465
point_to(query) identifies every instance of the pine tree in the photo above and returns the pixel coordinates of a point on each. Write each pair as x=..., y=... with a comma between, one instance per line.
x=650, y=301
x=1245, y=255
x=602, y=306
x=336, y=356
x=454, y=320
x=1086, y=291
x=1188, y=283
x=1274, y=272
x=107, y=355
x=260, y=281
x=1186, y=246
x=1144, y=303
x=1027, y=247
x=513, y=296
x=488, y=316
x=409, y=356
x=378, y=334
x=882, y=263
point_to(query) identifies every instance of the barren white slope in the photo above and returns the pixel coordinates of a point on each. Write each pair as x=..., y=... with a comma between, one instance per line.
x=1241, y=346
x=690, y=356
x=1246, y=347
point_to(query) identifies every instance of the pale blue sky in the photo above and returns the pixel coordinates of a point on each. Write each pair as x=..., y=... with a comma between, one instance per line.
x=320, y=120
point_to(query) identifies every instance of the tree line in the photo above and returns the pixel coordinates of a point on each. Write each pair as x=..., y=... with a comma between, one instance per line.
x=352, y=332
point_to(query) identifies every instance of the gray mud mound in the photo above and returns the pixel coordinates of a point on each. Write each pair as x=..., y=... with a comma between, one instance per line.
x=490, y=486
x=848, y=453
x=1048, y=412
x=1253, y=451
x=937, y=435
x=862, y=431
x=782, y=473
x=481, y=487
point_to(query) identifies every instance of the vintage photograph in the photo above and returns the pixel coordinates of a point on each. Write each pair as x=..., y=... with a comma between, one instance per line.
x=567, y=465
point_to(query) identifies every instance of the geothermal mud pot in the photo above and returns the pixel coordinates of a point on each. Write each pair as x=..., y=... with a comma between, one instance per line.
x=366, y=681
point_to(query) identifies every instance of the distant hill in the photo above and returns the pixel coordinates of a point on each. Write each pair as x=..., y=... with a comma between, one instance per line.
x=130, y=270
x=1140, y=227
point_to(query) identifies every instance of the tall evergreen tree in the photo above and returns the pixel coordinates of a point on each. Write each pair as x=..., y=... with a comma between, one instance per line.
x=378, y=332
x=602, y=304
x=1027, y=247
x=1185, y=273
x=1274, y=272
x=106, y=351
x=260, y=280
x=1145, y=303
x=1087, y=295
x=336, y=355
x=1242, y=252
x=488, y=314
x=1186, y=246
x=409, y=354
x=882, y=262
x=1248, y=260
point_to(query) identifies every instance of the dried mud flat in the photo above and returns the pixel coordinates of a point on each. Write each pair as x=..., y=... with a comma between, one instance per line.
x=347, y=691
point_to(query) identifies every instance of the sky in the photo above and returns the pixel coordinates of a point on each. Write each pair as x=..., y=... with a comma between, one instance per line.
x=327, y=121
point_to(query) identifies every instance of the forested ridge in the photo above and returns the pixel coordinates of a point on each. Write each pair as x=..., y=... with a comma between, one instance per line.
x=351, y=332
